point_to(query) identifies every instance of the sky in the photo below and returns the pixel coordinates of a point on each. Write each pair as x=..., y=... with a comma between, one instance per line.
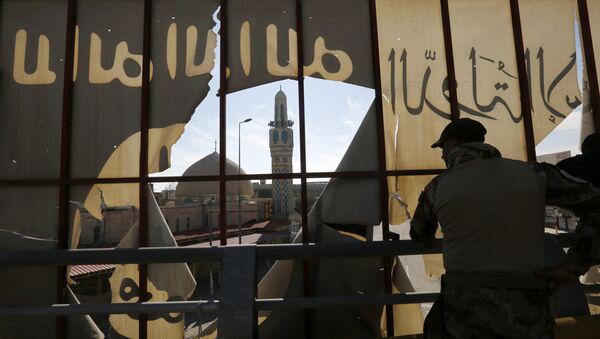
x=334, y=110
x=566, y=137
x=333, y=113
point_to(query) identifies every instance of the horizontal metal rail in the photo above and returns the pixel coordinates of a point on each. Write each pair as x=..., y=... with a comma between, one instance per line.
x=203, y=306
x=178, y=254
x=591, y=288
x=341, y=301
x=212, y=306
x=186, y=254
x=363, y=300
x=228, y=177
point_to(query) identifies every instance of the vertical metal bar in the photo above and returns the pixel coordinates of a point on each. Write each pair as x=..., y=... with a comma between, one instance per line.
x=222, y=124
x=301, y=115
x=383, y=181
x=143, y=188
x=65, y=160
x=236, y=296
x=590, y=61
x=303, y=184
x=523, y=83
x=454, y=111
x=239, y=183
x=67, y=111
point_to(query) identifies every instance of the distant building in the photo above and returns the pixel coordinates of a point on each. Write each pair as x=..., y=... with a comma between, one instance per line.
x=116, y=222
x=554, y=158
x=191, y=208
x=281, y=143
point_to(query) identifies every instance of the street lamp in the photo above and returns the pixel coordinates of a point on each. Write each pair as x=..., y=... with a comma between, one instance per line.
x=240, y=181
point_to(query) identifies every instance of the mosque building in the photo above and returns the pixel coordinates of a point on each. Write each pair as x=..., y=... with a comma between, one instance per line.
x=256, y=212
x=192, y=207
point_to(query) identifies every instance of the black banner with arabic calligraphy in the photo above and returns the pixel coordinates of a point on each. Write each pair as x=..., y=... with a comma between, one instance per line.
x=107, y=87
x=262, y=38
x=107, y=72
x=31, y=77
x=107, y=92
x=337, y=41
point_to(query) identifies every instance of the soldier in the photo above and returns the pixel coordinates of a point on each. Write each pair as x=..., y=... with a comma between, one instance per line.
x=586, y=165
x=491, y=211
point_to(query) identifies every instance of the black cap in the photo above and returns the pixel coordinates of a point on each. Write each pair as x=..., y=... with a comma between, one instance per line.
x=591, y=143
x=464, y=129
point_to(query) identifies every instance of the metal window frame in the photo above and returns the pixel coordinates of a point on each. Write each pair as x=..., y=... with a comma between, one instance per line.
x=65, y=159
x=65, y=181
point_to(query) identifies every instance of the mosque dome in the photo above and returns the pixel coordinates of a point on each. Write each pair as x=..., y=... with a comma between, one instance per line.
x=209, y=165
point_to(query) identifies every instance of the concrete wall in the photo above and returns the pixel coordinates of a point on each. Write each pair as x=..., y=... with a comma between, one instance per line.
x=115, y=224
x=184, y=218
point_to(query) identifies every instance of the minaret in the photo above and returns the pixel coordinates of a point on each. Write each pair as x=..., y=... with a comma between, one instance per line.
x=281, y=142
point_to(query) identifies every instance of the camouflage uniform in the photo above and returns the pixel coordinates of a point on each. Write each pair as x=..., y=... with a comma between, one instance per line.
x=476, y=311
x=583, y=199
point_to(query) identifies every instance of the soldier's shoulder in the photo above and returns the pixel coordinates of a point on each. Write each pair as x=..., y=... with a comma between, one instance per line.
x=432, y=185
x=431, y=188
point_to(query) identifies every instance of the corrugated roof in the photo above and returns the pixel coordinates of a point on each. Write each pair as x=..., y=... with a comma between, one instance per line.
x=246, y=239
x=80, y=270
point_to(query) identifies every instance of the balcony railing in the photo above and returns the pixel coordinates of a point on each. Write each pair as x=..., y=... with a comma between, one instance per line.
x=238, y=303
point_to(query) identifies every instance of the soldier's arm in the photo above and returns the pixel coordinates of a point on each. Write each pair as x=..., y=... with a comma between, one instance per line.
x=583, y=199
x=424, y=223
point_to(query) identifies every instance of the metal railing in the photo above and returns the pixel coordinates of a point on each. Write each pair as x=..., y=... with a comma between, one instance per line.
x=238, y=303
